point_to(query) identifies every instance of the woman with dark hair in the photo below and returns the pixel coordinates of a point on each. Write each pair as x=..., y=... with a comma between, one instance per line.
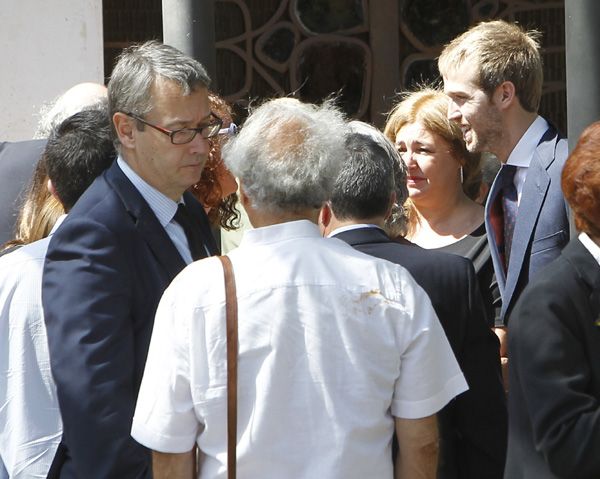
x=554, y=343
x=217, y=187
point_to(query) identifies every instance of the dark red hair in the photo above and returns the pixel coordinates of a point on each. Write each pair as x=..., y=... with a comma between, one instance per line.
x=223, y=212
x=581, y=181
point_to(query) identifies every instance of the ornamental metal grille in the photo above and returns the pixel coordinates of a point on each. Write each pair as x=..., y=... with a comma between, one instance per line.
x=364, y=51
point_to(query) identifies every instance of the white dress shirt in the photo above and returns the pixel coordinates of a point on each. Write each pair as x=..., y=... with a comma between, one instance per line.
x=523, y=152
x=590, y=245
x=163, y=207
x=333, y=344
x=30, y=421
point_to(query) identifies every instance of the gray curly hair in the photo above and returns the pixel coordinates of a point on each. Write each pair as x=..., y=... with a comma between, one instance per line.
x=288, y=154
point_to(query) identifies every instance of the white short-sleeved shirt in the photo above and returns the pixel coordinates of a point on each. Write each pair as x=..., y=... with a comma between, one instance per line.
x=332, y=345
x=30, y=423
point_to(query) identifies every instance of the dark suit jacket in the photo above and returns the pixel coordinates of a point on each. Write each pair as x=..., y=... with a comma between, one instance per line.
x=542, y=226
x=472, y=426
x=106, y=269
x=17, y=162
x=554, y=350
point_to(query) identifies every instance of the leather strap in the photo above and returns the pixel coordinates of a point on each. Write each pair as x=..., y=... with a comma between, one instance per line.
x=232, y=353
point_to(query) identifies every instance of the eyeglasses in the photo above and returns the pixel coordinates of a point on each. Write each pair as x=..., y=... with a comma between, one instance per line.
x=186, y=135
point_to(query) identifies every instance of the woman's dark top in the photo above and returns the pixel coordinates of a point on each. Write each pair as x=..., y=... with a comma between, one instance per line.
x=475, y=247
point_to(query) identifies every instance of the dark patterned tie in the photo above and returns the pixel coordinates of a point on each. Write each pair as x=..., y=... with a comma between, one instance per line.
x=191, y=230
x=510, y=206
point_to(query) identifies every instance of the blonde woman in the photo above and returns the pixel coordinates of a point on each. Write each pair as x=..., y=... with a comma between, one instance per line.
x=443, y=178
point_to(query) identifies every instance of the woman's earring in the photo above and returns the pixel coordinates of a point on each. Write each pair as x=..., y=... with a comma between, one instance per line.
x=462, y=179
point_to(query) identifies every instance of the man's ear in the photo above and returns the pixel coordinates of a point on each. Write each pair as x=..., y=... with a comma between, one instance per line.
x=391, y=203
x=124, y=126
x=325, y=215
x=52, y=189
x=504, y=96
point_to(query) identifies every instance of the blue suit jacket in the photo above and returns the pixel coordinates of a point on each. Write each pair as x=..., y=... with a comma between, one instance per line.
x=106, y=269
x=542, y=226
x=472, y=426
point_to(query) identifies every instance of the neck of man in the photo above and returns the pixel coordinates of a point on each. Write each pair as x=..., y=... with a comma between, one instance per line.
x=336, y=223
x=517, y=123
x=260, y=218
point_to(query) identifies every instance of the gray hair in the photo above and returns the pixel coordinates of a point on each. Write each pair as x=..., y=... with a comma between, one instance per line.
x=396, y=223
x=288, y=154
x=83, y=96
x=137, y=69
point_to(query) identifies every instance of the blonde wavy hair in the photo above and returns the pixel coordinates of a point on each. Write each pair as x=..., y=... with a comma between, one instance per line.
x=429, y=107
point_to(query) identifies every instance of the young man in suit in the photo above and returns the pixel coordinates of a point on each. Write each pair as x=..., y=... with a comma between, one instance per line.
x=124, y=241
x=493, y=77
x=554, y=345
x=473, y=426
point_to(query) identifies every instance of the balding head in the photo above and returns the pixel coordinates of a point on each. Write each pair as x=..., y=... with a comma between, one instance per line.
x=77, y=98
x=287, y=154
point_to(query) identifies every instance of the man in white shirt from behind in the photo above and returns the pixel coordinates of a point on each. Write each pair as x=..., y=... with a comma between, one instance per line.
x=336, y=349
x=77, y=151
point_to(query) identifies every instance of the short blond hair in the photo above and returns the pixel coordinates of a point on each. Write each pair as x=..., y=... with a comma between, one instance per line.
x=502, y=51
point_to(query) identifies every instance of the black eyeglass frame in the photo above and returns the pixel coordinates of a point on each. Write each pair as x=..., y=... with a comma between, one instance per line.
x=215, y=128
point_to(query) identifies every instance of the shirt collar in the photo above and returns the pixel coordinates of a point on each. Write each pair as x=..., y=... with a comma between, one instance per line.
x=280, y=232
x=162, y=206
x=592, y=247
x=523, y=153
x=57, y=223
x=343, y=229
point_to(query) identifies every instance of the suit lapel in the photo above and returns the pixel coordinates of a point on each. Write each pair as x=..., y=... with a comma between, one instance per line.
x=535, y=188
x=534, y=192
x=145, y=222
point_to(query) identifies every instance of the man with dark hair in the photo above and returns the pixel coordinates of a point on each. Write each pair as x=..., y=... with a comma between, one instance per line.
x=76, y=153
x=473, y=426
x=73, y=150
x=128, y=236
x=18, y=159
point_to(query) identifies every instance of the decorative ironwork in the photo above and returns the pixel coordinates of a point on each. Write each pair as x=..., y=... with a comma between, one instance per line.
x=426, y=25
x=312, y=48
x=305, y=48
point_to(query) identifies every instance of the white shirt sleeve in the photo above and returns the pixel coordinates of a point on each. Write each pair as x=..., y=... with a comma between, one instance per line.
x=164, y=418
x=430, y=376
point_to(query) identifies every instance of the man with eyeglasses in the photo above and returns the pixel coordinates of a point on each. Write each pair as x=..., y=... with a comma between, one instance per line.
x=124, y=241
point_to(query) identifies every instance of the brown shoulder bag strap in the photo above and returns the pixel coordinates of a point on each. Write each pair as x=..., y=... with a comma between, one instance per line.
x=232, y=353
